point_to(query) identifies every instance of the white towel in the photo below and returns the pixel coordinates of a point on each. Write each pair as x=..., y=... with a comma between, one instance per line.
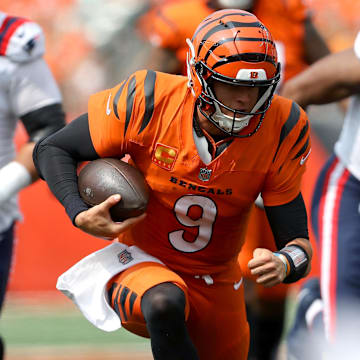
x=85, y=282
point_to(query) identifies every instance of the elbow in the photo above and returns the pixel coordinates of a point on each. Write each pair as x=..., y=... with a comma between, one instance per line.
x=38, y=154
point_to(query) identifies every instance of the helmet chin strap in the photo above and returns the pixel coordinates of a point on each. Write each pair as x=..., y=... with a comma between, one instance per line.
x=233, y=123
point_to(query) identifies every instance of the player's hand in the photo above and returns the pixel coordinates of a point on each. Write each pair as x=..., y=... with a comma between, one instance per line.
x=268, y=268
x=97, y=220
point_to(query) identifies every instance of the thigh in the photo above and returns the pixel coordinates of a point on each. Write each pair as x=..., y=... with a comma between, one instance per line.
x=215, y=312
x=6, y=250
x=217, y=321
x=127, y=288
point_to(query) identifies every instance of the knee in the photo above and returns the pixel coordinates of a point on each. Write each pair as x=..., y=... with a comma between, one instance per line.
x=164, y=302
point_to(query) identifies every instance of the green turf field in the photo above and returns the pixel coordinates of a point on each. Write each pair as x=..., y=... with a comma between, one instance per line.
x=47, y=325
x=50, y=327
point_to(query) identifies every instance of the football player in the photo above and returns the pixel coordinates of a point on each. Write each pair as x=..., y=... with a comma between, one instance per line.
x=335, y=205
x=207, y=144
x=298, y=44
x=27, y=92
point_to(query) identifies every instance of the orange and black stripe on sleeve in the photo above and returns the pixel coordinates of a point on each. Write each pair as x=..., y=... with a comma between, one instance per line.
x=304, y=132
x=289, y=124
x=117, y=97
x=302, y=141
x=149, y=92
x=132, y=88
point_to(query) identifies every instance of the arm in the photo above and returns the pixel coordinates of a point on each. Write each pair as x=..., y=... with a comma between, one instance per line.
x=289, y=225
x=36, y=100
x=21, y=172
x=330, y=79
x=56, y=158
x=38, y=124
x=24, y=157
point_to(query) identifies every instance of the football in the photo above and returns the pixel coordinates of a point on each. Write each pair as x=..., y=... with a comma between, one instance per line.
x=101, y=178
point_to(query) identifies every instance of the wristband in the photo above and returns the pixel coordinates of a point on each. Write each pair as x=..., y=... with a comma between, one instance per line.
x=13, y=177
x=298, y=260
x=285, y=262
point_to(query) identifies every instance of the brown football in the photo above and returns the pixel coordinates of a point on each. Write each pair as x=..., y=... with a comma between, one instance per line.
x=104, y=177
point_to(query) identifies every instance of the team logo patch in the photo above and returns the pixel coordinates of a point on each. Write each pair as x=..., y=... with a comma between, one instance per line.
x=165, y=156
x=205, y=174
x=125, y=257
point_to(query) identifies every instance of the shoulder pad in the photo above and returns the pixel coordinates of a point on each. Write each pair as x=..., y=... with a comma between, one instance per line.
x=21, y=40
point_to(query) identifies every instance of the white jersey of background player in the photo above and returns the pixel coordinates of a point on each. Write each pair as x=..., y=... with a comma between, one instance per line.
x=347, y=148
x=335, y=215
x=28, y=92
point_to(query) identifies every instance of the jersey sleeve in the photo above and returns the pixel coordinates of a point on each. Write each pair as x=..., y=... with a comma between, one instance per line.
x=32, y=86
x=283, y=181
x=119, y=115
x=21, y=40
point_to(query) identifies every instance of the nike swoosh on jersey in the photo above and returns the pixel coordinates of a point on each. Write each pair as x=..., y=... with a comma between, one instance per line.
x=238, y=284
x=303, y=159
x=108, y=110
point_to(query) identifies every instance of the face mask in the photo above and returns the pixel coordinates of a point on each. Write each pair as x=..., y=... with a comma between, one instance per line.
x=228, y=123
x=231, y=124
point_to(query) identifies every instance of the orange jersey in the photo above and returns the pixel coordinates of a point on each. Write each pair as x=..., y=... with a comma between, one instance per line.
x=169, y=25
x=197, y=213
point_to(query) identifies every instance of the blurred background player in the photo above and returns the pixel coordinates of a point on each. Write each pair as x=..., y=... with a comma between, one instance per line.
x=27, y=92
x=335, y=214
x=298, y=44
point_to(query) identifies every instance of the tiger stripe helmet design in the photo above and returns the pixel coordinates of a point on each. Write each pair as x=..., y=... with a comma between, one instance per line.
x=233, y=47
